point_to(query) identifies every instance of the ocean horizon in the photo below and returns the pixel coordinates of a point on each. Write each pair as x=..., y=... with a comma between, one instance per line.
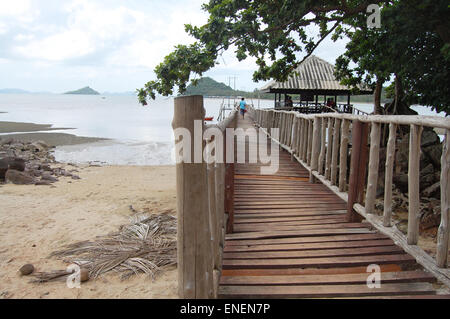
x=136, y=134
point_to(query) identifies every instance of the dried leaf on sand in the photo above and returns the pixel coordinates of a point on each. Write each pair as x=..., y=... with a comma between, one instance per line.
x=146, y=245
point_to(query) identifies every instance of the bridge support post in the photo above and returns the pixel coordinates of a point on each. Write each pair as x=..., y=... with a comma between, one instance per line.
x=229, y=184
x=193, y=235
x=358, y=168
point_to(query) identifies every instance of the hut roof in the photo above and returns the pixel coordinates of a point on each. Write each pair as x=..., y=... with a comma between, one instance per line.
x=313, y=75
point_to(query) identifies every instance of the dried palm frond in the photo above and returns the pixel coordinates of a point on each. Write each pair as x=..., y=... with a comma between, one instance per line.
x=146, y=245
x=50, y=276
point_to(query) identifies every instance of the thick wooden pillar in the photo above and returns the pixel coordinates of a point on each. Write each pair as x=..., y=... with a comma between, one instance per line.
x=193, y=236
x=358, y=168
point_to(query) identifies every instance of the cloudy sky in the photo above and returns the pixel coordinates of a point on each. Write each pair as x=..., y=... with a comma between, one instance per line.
x=110, y=45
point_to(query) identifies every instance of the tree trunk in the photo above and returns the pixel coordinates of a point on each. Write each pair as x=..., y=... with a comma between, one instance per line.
x=398, y=93
x=377, y=109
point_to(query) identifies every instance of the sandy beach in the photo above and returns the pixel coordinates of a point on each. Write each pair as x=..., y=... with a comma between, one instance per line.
x=37, y=220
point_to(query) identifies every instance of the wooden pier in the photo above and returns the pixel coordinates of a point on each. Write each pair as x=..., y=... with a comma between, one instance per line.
x=309, y=230
x=291, y=240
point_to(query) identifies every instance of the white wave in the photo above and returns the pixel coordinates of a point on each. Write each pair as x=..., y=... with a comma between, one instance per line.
x=117, y=153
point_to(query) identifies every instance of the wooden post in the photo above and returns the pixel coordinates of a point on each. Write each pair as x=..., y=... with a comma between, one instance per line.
x=229, y=189
x=309, y=150
x=213, y=226
x=329, y=149
x=299, y=136
x=282, y=127
x=193, y=236
x=343, y=155
x=291, y=130
x=322, y=146
x=220, y=199
x=315, y=148
x=413, y=184
x=443, y=232
x=306, y=137
x=302, y=139
x=294, y=136
x=389, y=170
x=357, y=168
x=334, y=155
x=374, y=160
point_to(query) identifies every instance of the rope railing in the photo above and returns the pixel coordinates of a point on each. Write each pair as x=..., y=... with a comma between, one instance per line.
x=321, y=143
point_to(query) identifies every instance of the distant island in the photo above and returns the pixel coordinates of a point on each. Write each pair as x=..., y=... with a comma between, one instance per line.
x=208, y=87
x=86, y=91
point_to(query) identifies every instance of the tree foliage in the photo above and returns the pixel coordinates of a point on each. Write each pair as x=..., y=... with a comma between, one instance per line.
x=412, y=43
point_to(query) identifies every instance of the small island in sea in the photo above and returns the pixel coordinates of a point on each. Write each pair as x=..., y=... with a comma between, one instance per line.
x=85, y=91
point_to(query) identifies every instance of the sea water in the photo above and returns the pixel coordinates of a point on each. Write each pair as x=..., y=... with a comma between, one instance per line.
x=137, y=135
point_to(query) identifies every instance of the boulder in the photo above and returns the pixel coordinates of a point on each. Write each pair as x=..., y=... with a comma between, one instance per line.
x=432, y=191
x=45, y=167
x=428, y=180
x=38, y=146
x=17, y=177
x=429, y=169
x=429, y=137
x=401, y=181
x=433, y=153
x=16, y=163
x=48, y=177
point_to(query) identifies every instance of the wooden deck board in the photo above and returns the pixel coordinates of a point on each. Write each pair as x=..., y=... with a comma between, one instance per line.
x=321, y=291
x=336, y=279
x=291, y=240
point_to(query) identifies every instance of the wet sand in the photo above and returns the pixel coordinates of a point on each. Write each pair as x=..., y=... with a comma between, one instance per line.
x=41, y=219
x=28, y=132
x=53, y=139
x=8, y=127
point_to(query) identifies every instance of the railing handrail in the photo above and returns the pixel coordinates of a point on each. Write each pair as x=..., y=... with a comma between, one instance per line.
x=422, y=120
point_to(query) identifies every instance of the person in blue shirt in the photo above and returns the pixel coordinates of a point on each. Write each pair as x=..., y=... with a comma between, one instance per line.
x=242, y=107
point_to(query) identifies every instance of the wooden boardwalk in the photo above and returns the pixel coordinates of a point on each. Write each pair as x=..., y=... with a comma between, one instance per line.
x=291, y=240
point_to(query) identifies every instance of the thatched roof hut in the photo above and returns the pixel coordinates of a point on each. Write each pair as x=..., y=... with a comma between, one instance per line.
x=314, y=77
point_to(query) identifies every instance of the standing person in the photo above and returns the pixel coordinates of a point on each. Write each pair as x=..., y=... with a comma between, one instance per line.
x=242, y=107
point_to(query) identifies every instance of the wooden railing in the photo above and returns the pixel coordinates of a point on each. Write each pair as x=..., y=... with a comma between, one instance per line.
x=321, y=143
x=204, y=200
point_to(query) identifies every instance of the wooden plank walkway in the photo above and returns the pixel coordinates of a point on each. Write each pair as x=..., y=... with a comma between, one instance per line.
x=291, y=240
